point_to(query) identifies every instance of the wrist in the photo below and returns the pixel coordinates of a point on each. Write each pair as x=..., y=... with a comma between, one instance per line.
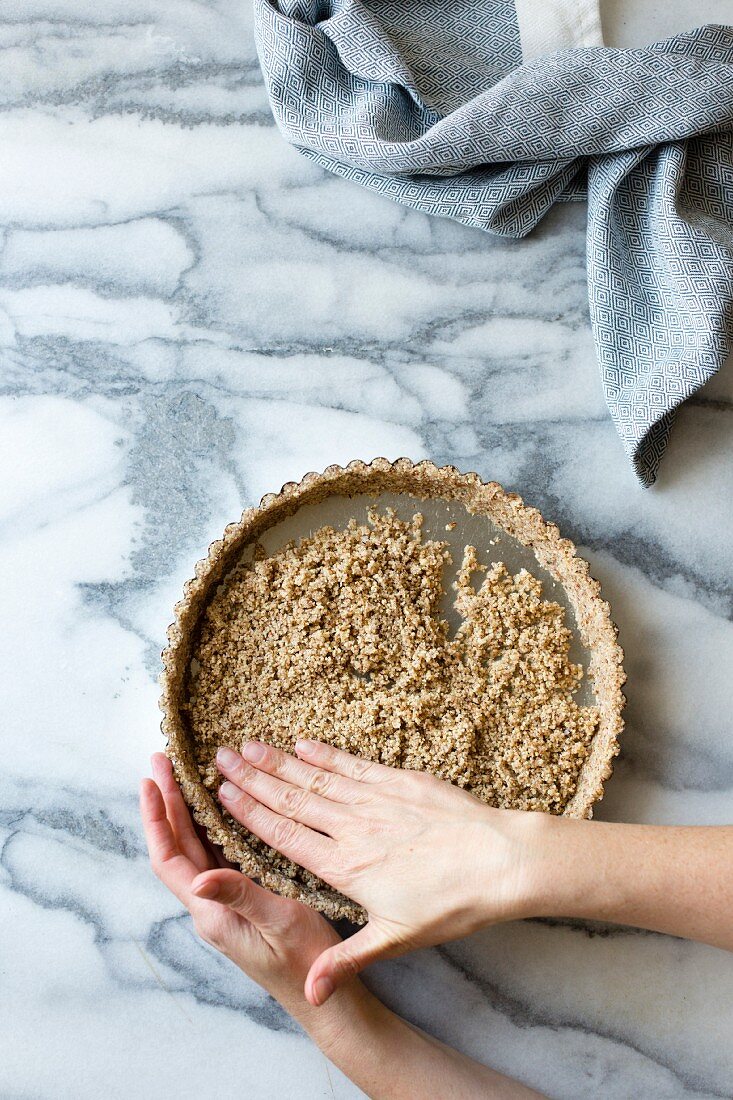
x=554, y=869
x=351, y=1015
x=542, y=870
x=575, y=869
x=381, y=1053
x=514, y=852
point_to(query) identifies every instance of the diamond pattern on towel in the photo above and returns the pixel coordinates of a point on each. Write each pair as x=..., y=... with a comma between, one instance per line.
x=429, y=105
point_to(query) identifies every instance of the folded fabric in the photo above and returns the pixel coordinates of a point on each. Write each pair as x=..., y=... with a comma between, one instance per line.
x=477, y=110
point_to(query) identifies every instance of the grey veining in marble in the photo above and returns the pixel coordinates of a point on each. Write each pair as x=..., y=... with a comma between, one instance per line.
x=190, y=315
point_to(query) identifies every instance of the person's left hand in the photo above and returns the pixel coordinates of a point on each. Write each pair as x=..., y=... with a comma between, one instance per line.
x=274, y=940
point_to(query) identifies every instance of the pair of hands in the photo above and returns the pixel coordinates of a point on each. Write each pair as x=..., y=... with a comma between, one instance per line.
x=414, y=851
x=277, y=941
x=429, y=863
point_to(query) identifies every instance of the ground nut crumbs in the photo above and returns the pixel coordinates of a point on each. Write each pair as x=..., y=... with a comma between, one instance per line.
x=339, y=637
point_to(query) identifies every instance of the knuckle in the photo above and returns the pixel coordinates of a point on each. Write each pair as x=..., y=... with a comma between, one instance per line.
x=321, y=782
x=241, y=902
x=274, y=761
x=245, y=774
x=243, y=806
x=361, y=768
x=290, y=801
x=324, y=753
x=348, y=965
x=283, y=832
x=159, y=860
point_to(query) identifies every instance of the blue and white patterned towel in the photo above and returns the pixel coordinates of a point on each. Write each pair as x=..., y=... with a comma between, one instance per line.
x=477, y=110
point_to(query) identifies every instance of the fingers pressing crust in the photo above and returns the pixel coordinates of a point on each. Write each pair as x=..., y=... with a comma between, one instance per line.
x=327, y=784
x=177, y=812
x=158, y=833
x=343, y=763
x=285, y=799
x=173, y=868
x=299, y=843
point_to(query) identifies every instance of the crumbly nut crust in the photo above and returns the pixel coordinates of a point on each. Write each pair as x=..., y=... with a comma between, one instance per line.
x=490, y=709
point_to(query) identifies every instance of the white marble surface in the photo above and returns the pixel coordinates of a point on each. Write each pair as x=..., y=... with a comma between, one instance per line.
x=191, y=314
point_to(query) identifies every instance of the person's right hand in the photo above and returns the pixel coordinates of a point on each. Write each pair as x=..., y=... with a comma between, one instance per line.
x=428, y=861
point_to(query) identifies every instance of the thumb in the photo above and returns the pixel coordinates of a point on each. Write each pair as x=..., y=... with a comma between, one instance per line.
x=239, y=893
x=343, y=961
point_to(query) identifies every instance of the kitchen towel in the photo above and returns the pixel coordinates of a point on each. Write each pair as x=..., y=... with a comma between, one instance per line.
x=490, y=111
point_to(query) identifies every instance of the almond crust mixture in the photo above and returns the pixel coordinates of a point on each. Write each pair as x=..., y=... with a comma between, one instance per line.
x=339, y=637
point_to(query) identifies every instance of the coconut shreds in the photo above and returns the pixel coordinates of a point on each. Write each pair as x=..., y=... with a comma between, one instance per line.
x=340, y=638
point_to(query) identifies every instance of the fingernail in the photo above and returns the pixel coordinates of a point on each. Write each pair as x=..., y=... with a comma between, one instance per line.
x=206, y=890
x=322, y=990
x=253, y=752
x=227, y=757
x=304, y=748
x=229, y=792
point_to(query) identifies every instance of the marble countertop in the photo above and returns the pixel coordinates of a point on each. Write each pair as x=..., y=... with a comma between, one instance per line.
x=190, y=315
